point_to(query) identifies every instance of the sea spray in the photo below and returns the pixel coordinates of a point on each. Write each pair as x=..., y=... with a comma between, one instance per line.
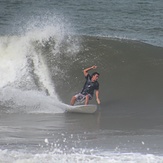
x=29, y=64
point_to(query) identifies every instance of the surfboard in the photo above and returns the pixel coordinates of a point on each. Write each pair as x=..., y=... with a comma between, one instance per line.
x=82, y=108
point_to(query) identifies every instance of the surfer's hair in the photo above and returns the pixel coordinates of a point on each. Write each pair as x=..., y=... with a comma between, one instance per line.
x=94, y=73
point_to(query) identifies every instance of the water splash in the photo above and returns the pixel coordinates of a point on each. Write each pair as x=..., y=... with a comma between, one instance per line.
x=26, y=63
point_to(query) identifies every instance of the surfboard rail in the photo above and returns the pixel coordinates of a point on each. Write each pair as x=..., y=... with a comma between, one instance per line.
x=82, y=108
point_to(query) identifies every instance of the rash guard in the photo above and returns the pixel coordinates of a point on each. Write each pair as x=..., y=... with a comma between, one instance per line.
x=89, y=86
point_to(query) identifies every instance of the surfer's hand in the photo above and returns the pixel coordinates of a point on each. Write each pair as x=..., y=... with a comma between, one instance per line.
x=98, y=101
x=94, y=67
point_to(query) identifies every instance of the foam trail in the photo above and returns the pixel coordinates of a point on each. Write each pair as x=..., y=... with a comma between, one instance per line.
x=28, y=101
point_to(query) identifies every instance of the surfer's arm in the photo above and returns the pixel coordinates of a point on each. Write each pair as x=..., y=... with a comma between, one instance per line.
x=97, y=97
x=85, y=71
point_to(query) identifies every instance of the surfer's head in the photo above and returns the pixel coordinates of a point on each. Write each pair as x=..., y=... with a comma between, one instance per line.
x=95, y=76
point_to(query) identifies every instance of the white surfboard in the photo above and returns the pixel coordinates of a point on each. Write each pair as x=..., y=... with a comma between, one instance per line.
x=82, y=108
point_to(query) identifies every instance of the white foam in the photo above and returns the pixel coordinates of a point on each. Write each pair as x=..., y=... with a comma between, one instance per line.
x=17, y=83
x=58, y=156
x=14, y=54
x=29, y=101
x=12, y=59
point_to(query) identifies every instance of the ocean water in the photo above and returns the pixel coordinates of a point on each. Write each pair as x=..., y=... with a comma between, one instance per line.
x=45, y=45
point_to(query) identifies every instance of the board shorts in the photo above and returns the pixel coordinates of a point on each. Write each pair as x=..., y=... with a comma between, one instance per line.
x=80, y=97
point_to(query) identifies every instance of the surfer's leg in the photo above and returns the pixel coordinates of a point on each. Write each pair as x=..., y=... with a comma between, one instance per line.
x=72, y=102
x=86, y=99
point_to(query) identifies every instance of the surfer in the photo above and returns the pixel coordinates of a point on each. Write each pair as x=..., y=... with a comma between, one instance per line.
x=89, y=87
